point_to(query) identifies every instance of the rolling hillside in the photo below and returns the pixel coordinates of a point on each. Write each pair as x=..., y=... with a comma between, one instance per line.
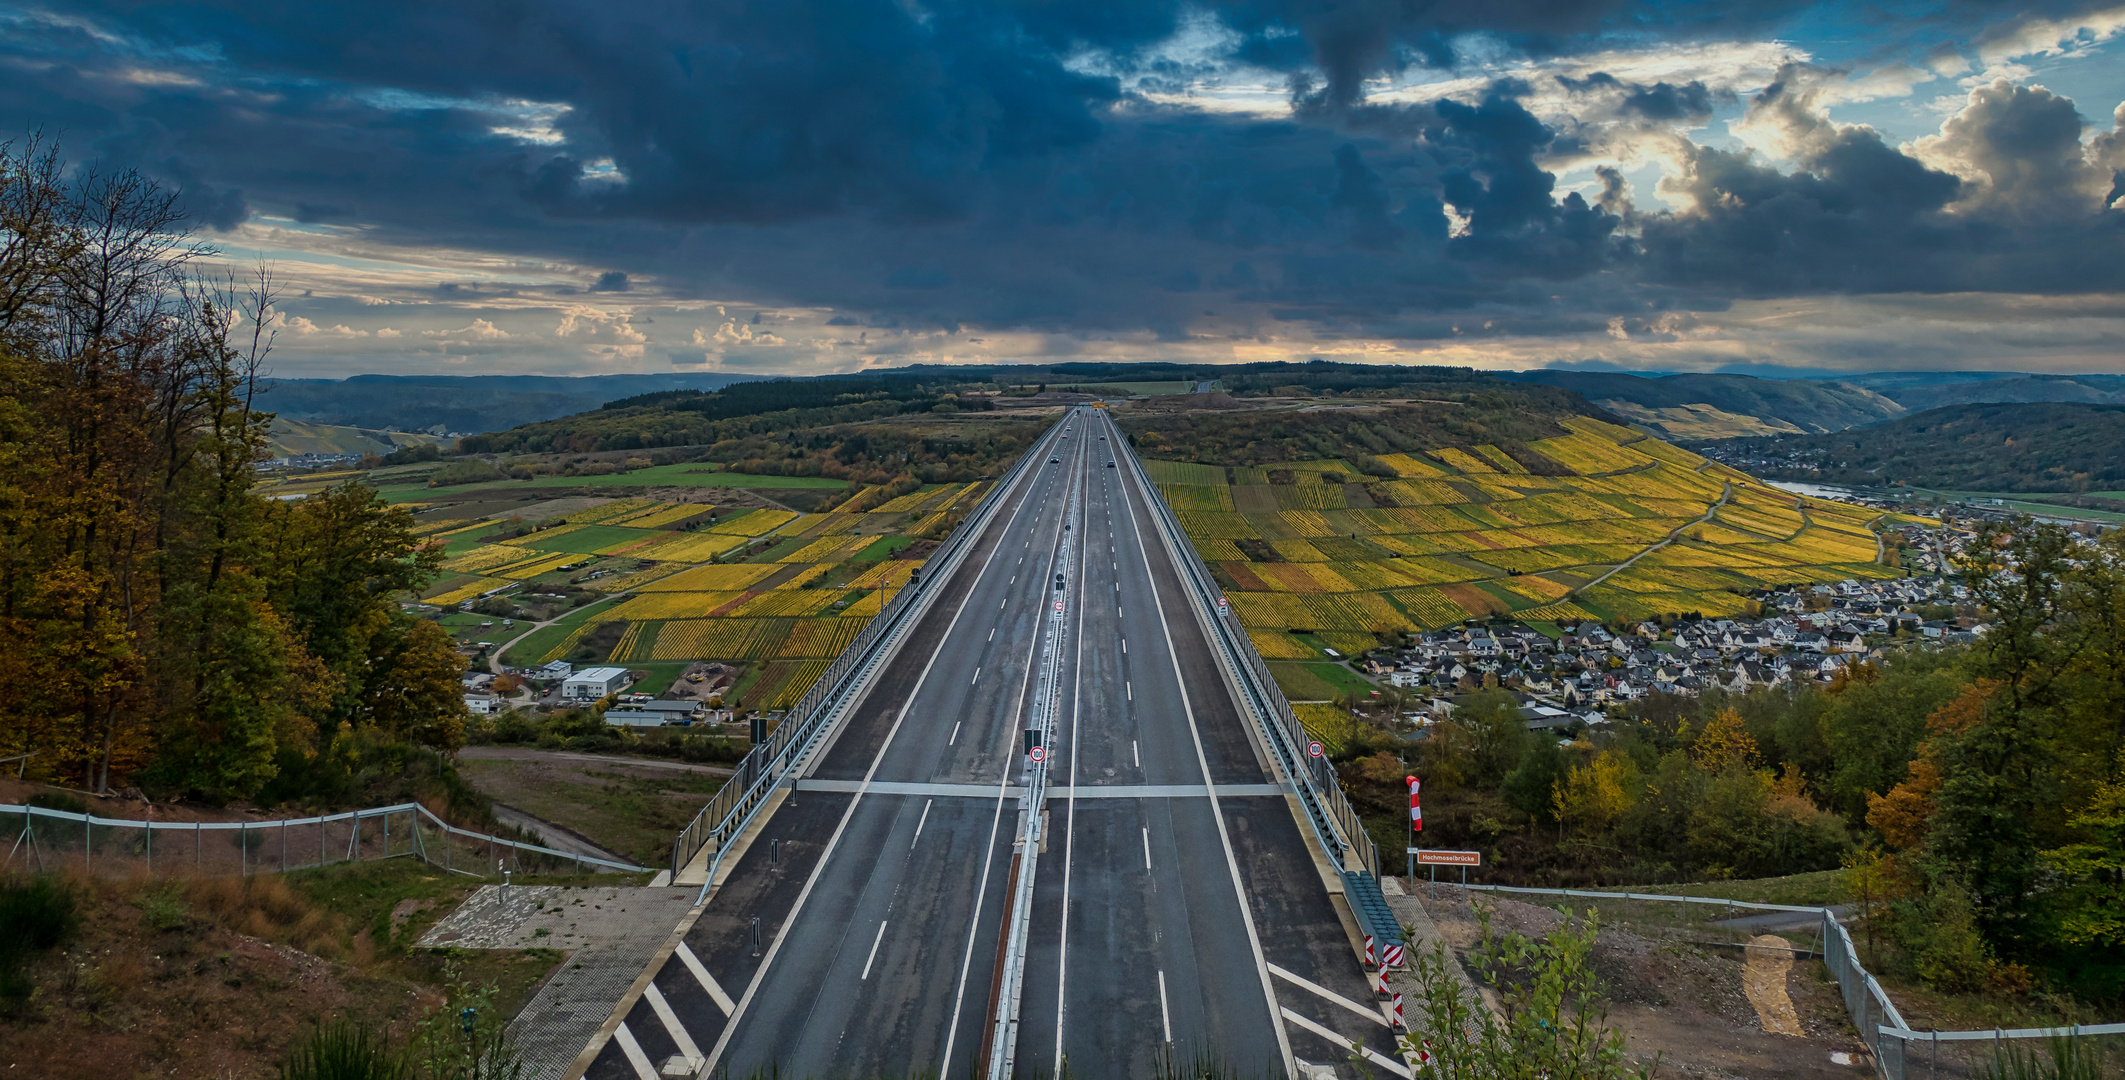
x=1724, y=406
x=1609, y=524
x=292, y=437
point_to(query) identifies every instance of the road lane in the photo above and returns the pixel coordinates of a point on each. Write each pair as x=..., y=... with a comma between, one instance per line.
x=923, y=1005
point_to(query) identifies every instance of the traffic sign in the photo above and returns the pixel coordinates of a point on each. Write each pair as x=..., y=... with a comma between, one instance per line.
x=1224, y=607
x=1040, y=754
x=1437, y=857
x=1315, y=749
x=1058, y=606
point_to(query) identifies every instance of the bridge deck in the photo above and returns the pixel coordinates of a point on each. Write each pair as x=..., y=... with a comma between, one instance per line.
x=1177, y=897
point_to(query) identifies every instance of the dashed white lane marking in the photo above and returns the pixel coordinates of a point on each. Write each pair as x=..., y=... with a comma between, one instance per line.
x=1131, y=690
x=1125, y=646
x=922, y=821
x=1164, y=1017
x=1327, y=995
x=1134, y=756
x=875, y=942
x=672, y=1026
x=633, y=1050
x=992, y=633
x=708, y=982
x=1336, y=1038
x=954, y=740
x=1147, y=847
x=976, y=678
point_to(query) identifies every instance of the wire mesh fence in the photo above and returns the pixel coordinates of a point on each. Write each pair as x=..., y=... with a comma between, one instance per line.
x=39, y=839
x=1899, y=1052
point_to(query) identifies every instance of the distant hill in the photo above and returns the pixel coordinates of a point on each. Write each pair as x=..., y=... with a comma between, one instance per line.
x=289, y=438
x=1919, y=391
x=462, y=403
x=1723, y=406
x=2024, y=447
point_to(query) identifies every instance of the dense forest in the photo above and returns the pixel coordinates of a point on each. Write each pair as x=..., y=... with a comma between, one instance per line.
x=1977, y=796
x=2033, y=447
x=166, y=627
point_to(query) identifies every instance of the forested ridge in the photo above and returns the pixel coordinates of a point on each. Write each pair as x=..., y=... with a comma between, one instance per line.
x=2011, y=446
x=166, y=626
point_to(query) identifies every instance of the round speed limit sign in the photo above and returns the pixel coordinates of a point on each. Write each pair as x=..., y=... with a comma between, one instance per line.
x=1314, y=749
x=1040, y=754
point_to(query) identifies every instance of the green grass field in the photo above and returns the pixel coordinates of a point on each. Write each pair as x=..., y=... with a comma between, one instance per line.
x=588, y=539
x=530, y=651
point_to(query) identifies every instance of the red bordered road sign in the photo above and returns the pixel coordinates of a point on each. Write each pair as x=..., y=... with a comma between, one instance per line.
x=1436, y=857
x=1040, y=754
x=1315, y=749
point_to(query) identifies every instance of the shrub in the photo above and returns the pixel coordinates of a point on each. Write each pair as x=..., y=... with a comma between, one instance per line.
x=35, y=916
x=60, y=801
x=344, y=1051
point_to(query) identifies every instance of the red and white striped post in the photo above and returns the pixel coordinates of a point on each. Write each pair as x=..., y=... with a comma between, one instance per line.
x=1392, y=958
x=1416, y=825
x=1396, y=1009
x=1371, y=957
x=1378, y=979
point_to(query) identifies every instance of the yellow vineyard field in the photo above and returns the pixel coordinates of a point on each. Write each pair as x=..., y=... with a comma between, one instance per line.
x=1476, y=534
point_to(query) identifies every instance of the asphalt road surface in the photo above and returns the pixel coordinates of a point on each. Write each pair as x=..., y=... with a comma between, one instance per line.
x=1177, y=907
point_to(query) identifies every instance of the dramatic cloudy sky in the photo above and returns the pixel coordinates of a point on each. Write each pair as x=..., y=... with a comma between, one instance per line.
x=576, y=186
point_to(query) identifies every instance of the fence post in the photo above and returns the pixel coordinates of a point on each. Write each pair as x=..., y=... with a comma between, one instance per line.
x=88, y=841
x=199, y=855
x=149, y=847
x=243, y=849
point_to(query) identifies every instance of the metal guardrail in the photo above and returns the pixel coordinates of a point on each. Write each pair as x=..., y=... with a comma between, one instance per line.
x=1335, y=821
x=769, y=763
x=129, y=845
x=1895, y=1045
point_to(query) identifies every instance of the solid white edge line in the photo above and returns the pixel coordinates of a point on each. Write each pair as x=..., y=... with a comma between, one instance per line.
x=873, y=958
x=753, y=985
x=1336, y=1037
x=1325, y=993
x=680, y=1037
x=708, y=982
x=1217, y=812
x=633, y=1050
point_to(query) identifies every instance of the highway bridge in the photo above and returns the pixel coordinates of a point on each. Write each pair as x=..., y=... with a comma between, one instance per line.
x=907, y=891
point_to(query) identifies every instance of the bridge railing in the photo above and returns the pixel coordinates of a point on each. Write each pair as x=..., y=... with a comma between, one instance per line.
x=1334, y=819
x=768, y=763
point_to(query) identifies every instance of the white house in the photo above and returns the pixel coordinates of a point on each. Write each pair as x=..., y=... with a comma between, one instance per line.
x=594, y=683
x=482, y=704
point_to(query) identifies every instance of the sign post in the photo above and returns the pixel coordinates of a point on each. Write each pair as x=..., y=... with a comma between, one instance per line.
x=1436, y=858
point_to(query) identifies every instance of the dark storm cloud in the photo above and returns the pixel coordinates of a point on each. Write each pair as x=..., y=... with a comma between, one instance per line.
x=950, y=170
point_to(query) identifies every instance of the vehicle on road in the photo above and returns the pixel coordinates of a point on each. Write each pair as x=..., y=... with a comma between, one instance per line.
x=1054, y=461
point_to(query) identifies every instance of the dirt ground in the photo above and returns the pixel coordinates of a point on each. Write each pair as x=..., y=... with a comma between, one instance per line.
x=1685, y=1005
x=217, y=978
x=629, y=807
